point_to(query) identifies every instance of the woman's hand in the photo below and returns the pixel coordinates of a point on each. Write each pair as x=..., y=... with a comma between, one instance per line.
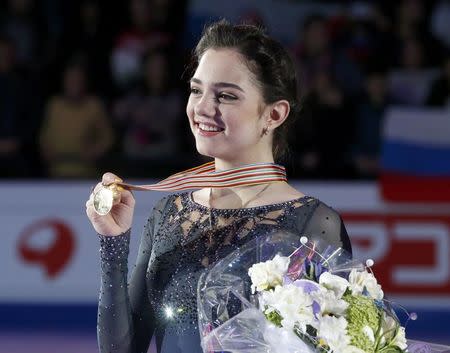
x=120, y=218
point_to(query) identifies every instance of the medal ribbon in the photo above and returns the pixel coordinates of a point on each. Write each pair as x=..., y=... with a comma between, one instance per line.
x=205, y=175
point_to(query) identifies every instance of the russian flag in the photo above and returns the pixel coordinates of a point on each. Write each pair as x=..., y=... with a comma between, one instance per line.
x=415, y=157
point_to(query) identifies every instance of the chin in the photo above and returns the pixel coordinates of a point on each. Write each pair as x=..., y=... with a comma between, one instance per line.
x=209, y=151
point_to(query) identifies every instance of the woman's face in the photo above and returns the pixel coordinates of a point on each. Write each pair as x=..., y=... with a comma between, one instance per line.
x=225, y=109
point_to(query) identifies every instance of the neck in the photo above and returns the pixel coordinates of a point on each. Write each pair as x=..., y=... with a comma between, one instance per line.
x=224, y=164
x=240, y=196
x=241, y=191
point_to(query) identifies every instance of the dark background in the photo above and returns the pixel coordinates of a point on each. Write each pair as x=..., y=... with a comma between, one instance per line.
x=131, y=58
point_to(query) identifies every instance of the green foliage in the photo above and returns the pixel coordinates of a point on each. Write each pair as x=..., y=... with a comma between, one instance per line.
x=390, y=349
x=361, y=312
x=273, y=316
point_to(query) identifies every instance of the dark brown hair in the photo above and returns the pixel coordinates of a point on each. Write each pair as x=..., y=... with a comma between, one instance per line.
x=269, y=62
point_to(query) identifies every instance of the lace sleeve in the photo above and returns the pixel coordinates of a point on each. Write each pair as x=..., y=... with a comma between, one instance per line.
x=325, y=223
x=125, y=316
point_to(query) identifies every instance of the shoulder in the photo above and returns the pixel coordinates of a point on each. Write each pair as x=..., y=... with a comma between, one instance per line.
x=327, y=211
x=167, y=203
x=326, y=223
x=157, y=214
x=324, y=217
x=316, y=216
x=161, y=205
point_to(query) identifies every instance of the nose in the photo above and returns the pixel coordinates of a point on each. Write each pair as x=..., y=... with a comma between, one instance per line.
x=205, y=106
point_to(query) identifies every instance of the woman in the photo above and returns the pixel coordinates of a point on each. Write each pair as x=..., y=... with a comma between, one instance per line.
x=242, y=92
x=148, y=135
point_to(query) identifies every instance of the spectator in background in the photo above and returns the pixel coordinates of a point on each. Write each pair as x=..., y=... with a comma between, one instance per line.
x=89, y=37
x=440, y=22
x=410, y=19
x=19, y=24
x=147, y=32
x=149, y=116
x=369, y=115
x=324, y=133
x=410, y=83
x=440, y=89
x=411, y=22
x=314, y=54
x=76, y=132
x=367, y=36
x=13, y=113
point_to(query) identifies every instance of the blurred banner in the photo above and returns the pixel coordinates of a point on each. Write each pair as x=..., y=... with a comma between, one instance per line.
x=50, y=254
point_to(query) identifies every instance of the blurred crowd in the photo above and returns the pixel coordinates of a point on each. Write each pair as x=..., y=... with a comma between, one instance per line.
x=88, y=86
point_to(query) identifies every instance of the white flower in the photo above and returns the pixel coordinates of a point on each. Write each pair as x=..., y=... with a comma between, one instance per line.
x=388, y=329
x=335, y=283
x=282, y=340
x=294, y=306
x=369, y=333
x=392, y=333
x=400, y=339
x=362, y=279
x=333, y=331
x=268, y=274
x=329, y=303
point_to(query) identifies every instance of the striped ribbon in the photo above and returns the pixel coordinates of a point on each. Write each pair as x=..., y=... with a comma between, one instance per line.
x=205, y=175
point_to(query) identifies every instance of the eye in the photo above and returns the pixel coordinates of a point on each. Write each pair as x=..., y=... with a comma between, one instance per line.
x=194, y=90
x=226, y=97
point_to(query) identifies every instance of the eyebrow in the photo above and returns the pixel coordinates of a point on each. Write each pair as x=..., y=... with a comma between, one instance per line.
x=219, y=84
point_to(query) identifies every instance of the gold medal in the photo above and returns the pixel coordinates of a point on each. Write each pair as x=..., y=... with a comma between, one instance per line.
x=106, y=197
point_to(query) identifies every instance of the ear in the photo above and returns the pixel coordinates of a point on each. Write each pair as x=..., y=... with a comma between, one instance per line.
x=278, y=112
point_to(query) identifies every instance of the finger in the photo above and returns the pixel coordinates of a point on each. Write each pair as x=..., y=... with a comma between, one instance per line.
x=90, y=212
x=127, y=198
x=97, y=187
x=109, y=178
x=90, y=200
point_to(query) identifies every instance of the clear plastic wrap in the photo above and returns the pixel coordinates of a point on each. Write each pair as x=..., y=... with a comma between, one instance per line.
x=230, y=315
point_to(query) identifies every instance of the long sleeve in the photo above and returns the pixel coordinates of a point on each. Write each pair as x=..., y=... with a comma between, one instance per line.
x=125, y=316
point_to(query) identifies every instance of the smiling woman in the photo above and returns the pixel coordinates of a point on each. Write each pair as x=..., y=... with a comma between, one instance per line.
x=242, y=97
x=249, y=76
x=234, y=109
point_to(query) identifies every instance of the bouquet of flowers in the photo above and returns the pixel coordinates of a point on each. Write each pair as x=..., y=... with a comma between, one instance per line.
x=282, y=293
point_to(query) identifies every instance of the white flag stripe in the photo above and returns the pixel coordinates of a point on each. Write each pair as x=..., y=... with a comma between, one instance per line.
x=426, y=127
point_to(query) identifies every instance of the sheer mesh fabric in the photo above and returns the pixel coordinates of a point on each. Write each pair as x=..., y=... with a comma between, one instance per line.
x=180, y=240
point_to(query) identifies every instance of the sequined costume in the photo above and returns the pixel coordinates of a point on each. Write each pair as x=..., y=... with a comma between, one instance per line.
x=180, y=239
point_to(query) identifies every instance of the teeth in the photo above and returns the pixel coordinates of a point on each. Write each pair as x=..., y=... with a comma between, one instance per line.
x=208, y=127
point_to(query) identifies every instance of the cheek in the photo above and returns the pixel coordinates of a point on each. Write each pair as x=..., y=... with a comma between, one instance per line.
x=190, y=109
